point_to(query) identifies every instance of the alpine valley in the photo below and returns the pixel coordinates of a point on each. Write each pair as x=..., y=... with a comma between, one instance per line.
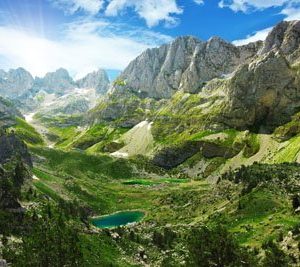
x=190, y=157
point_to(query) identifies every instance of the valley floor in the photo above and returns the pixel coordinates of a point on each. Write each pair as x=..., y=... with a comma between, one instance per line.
x=254, y=203
x=107, y=185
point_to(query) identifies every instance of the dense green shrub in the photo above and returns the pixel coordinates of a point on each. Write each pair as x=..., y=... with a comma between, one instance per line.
x=274, y=256
x=50, y=240
x=215, y=246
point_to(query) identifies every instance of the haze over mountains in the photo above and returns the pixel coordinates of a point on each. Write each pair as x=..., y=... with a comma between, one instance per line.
x=17, y=82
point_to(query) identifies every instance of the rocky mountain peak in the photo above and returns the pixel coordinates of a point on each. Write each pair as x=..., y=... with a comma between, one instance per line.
x=55, y=82
x=97, y=80
x=15, y=82
x=284, y=37
x=185, y=64
x=61, y=72
x=216, y=40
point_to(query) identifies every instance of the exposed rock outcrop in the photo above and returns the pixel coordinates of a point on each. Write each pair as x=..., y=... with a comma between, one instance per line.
x=284, y=37
x=15, y=82
x=265, y=92
x=97, y=80
x=57, y=82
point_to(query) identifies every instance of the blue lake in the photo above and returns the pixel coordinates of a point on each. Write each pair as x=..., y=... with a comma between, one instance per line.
x=118, y=219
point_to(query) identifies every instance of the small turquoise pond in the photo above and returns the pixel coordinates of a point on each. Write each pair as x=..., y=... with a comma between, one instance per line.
x=118, y=219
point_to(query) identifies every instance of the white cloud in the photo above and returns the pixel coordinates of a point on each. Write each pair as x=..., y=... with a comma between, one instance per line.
x=153, y=11
x=72, y=6
x=291, y=13
x=199, y=2
x=289, y=8
x=86, y=46
x=257, y=36
x=249, y=5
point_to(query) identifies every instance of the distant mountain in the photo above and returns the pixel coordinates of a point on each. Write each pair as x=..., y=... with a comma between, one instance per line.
x=15, y=82
x=57, y=82
x=71, y=97
x=97, y=80
x=19, y=83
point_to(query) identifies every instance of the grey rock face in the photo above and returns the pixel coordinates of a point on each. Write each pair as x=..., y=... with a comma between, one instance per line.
x=267, y=90
x=264, y=91
x=15, y=82
x=185, y=64
x=97, y=80
x=286, y=38
x=55, y=82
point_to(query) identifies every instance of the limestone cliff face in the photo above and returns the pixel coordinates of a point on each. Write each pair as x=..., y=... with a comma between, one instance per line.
x=15, y=82
x=57, y=82
x=267, y=90
x=185, y=64
x=257, y=84
x=284, y=37
x=97, y=80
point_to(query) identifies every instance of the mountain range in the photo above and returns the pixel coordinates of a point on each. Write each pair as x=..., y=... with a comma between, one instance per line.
x=18, y=83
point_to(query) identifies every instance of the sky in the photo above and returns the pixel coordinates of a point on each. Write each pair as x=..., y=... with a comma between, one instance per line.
x=84, y=35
